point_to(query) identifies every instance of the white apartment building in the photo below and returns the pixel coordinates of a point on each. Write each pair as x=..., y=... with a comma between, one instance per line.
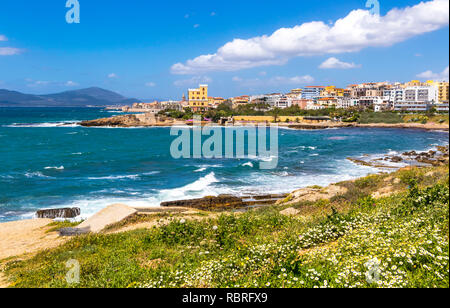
x=372, y=101
x=394, y=95
x=422, y=94
x=312, y=105
x=344, y=103
x=412, y=106
x=283, y=102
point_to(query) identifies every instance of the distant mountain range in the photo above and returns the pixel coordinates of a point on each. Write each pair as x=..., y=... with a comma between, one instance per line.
x=78, y=98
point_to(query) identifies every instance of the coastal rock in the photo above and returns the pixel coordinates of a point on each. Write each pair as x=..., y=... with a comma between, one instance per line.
x=208, y=203
x=396, y=159
x=314, y=195
x=383, y=192
x=59, y=213
x=412, y=153
x=129, y=120
x=290, y=212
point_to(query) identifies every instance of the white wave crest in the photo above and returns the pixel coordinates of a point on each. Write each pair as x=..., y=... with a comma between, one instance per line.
x=44, y=125
x=54, y=168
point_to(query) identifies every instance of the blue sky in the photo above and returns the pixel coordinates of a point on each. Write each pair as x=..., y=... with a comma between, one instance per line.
x=142, y=49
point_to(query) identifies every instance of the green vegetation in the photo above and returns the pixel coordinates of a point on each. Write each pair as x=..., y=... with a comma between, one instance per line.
x=350, y=241
x=424, y=118
x=380, y=117
x=364, y=116
x=57, y=225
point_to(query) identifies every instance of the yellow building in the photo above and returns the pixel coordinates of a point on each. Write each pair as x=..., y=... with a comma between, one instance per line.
x=442, y=90
x=295, y=93
x=414, y=83
x=332, y=91
x=214, y=102
x=198, y=98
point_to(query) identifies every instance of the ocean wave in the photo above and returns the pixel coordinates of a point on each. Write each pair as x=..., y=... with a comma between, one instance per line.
x=200, y=170
x=262, y=158
x=338, y=138
x=199, y=188
x=122, y=177
x=249, y=164
x=54, y=168
x=115, y=177
x=44, y=125
x=36, y=175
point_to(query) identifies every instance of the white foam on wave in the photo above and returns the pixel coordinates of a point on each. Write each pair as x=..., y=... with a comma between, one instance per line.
x=54, y=168
x=115, y=177
x=249, y=164
x=284, y=182
x=198, y=189
x=122, y=177
x=200, y=170
x=67, y=124
x=36, y=175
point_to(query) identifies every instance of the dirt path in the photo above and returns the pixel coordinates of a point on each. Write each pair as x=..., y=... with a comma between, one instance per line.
x=27, y=237
x=3, y=282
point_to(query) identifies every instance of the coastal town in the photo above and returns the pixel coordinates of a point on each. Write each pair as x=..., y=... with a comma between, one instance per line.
x=413, y=104
x=224, y=153
x=413, y=96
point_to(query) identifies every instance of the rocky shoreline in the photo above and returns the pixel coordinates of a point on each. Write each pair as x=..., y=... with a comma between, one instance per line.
x=132, y=120
x=152, y=120
x=430, y=158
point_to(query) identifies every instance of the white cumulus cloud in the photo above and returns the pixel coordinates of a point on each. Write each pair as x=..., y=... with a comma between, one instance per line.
x=337, y=64
x=443, y=76
x=358, y=30
x=112, y=75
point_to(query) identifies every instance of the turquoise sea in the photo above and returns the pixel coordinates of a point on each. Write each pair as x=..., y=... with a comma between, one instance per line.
x=46, y=165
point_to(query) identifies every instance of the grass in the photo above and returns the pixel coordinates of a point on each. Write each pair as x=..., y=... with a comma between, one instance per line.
x=349, y=241
x=396, y=118
x=380, y=117
x=418, y=118
x=58, y=225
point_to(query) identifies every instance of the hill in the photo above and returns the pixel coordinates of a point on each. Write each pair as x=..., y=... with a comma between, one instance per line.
x=78, y=98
